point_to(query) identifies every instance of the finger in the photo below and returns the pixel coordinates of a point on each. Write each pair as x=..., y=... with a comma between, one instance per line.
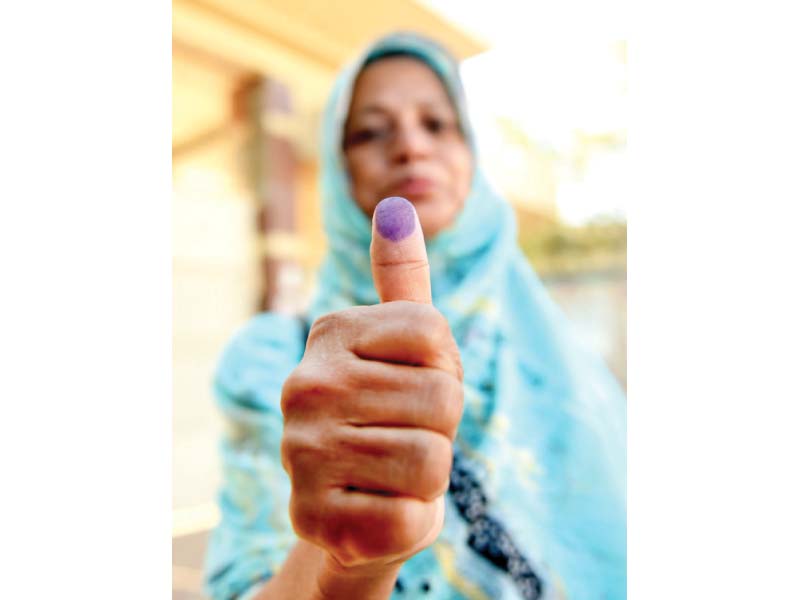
x=392, y=461
x=403, y=396
x=399, y=260
x=408, y=333
x=374, y=393
x=364, y=527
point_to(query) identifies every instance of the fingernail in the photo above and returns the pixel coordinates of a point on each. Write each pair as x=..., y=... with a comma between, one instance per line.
x=395, y=218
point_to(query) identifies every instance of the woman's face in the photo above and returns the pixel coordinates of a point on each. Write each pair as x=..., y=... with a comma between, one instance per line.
x=402, y=138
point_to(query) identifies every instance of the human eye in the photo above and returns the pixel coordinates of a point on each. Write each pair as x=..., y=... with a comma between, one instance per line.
x=364, y=135
x=437, y=125
x=359, y=136
x=433, y=124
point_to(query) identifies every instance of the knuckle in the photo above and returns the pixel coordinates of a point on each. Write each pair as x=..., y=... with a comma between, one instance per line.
x=433, y=466
x=375, y=530
x=431, y=326
x=291, y=452
x=454, y=355
x=428, y=466
x=448, y=348
x=455, y=407
x=447, y=396
x=302, y=458
x=304, y=515
x=441, y=326
x=295, y=391
x=403, y=527
x=320, y=328
x=433, y=321
x=380, y=532
x=329, y=326
x=291, y=393
x=309, y=385
x=339, y=534
x=336, y=331
x=322, y=325
x=444, y=394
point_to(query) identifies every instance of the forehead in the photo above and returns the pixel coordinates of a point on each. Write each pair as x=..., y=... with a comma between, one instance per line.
x=395, y=82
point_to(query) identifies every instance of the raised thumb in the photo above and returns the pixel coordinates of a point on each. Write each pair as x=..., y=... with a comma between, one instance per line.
x=399, y=260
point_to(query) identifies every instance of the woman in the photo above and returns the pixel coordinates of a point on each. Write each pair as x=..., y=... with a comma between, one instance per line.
x=467, y=448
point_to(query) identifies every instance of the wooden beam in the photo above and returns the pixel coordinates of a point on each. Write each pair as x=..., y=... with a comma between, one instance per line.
x=268, y=20
x=196, y=26
x=202, y=139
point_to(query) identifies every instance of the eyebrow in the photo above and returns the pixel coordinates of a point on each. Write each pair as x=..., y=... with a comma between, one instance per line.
x=376, y=108
x=370, y=108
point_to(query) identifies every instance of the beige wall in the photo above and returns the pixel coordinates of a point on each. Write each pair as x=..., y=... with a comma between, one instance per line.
x=216, y=281
x=215, y=288
x=596, y=305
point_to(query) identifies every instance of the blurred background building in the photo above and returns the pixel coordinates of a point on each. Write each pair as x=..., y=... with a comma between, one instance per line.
x=250, y=79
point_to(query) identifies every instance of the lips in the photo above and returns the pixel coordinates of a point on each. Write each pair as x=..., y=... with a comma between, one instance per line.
x=413, y=186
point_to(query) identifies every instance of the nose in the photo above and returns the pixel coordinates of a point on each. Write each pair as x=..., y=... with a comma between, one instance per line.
x=411, y=142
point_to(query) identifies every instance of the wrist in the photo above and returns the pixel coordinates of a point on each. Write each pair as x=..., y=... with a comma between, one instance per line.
x=373, y=582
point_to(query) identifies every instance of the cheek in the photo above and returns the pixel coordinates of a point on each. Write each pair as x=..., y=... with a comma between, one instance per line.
x=362, y=181
x=461, y=175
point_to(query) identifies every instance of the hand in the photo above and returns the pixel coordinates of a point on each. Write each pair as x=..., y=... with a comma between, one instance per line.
x=371, y=411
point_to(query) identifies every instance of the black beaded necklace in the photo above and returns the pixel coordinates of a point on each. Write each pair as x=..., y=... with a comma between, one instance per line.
x=487, y=536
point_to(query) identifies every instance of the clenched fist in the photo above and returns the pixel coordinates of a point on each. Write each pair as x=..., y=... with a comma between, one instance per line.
x=371, y=412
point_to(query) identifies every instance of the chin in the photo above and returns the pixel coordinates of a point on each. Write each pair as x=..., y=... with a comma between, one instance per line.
x=433, y=219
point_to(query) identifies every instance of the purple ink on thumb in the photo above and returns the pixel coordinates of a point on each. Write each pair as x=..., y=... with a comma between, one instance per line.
x=395, y=218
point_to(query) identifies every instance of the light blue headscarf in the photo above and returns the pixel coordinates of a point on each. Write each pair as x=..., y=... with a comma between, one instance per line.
x=531, y=391
x=543, y=432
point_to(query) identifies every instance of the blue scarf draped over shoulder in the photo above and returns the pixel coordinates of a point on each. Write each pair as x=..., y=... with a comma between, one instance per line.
x=544, y=427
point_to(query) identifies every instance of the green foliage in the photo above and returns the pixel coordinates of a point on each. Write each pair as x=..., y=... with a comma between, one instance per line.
x=554, y=247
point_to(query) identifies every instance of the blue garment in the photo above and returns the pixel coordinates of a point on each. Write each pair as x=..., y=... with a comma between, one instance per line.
x=541, y=444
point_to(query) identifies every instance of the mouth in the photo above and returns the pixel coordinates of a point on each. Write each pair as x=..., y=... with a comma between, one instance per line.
x=413, y=188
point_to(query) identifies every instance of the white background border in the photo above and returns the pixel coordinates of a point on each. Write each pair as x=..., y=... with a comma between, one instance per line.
x=86, y=311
